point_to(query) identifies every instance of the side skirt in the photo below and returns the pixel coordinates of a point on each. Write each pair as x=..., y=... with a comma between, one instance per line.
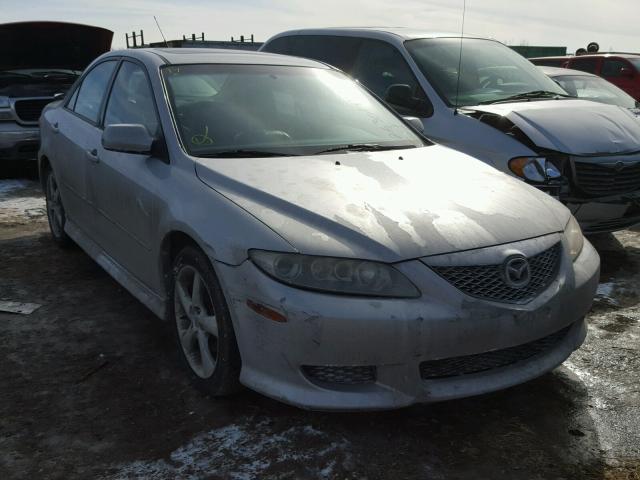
x=139, y=290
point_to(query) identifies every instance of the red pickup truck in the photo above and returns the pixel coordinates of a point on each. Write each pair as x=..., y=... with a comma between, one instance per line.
x=623, y=70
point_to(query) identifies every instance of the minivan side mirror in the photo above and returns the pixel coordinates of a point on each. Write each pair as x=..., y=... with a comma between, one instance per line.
x=127, y=138
x=415, y=122
x=401, y=96
x=59, y=95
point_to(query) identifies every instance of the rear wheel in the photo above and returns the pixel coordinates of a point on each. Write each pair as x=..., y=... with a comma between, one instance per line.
x=55, y=210
x=202, y=326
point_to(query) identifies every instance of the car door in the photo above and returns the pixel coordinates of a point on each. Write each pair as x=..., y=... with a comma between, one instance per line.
x=125, y=186
x=621, y=73
x=77, y=137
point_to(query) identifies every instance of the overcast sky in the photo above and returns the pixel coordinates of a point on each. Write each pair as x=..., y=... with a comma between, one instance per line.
x=571, y=23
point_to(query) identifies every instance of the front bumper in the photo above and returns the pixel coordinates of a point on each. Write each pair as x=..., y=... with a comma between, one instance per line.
x=18, y=142
x=396, y=336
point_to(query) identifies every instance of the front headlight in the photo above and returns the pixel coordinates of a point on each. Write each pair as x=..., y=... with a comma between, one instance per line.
x=534, y=169
x=575, y=239
x=335, y=275
x=4, y=102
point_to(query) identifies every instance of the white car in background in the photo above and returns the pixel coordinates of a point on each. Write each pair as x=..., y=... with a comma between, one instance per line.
x=501, y=109
x=587, y=86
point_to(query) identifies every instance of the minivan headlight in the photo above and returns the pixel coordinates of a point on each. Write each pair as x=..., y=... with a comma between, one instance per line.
x=534, y=169
x=575, y=239
x=335, y=275
x=4, y=102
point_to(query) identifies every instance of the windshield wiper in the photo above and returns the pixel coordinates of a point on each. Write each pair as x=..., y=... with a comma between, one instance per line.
x=527, y=96
x=363, y=147
x=240, y=153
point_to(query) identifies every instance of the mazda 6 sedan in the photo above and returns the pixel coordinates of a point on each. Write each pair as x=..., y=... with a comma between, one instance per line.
x=303, y=240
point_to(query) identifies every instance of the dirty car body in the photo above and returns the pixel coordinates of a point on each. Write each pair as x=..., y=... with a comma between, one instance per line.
x=500, y=109
x=37, y=61
x=360, y=269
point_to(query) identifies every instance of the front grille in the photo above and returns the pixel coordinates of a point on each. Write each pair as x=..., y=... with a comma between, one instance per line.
x=481, y=362
x=602, y=180
x=30, y=110
x=487, y=281
x=340, y=375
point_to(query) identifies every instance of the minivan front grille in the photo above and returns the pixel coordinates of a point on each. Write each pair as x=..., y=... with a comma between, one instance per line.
x=603, y=180
x=30, y=110
x=482, y=362
x=487, y=281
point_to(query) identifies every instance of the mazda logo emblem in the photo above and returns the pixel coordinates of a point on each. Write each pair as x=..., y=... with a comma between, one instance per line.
x=517, y=272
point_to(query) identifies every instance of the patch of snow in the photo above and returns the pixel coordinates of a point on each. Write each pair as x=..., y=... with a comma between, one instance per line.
x=19, y=201
x=246, y=452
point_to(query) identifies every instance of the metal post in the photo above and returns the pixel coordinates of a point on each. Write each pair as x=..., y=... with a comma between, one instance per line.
x=126, y=36
x=135, y=42
x=141, y=38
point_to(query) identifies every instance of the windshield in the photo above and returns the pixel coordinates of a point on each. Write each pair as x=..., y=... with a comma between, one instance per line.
x=489, y=70
x=225, y=109
x=596, y=89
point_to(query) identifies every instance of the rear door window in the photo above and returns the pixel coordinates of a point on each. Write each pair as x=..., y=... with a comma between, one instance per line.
x=341, y=52
x=93, y=90
x=612, y=67
x=589, y=65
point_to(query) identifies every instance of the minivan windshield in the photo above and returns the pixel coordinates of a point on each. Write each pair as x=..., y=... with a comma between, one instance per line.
x=489, y=71
x=266, y=110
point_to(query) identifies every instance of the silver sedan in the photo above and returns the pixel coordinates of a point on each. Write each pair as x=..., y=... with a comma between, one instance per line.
x=303, y=240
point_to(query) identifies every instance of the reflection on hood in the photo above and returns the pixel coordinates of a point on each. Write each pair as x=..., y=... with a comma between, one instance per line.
x=388, y=206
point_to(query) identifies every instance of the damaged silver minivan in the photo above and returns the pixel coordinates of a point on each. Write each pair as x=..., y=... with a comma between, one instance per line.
x=500, y=109
x=301, y=240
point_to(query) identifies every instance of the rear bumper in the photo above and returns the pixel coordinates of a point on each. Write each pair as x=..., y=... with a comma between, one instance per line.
x=18, y=142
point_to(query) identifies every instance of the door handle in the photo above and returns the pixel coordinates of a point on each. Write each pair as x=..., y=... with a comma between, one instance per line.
x=55, y=128
x=93, y=155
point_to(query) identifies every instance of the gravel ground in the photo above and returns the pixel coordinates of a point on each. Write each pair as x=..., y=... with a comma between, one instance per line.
x=90, y=388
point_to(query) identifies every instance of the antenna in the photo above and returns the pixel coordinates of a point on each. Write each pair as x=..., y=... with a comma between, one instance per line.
x=165, y=40
x=464, y=11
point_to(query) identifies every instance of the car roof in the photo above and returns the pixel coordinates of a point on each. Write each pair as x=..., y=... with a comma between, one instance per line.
x=556, y=72
x=402, y=33
x=181, y=56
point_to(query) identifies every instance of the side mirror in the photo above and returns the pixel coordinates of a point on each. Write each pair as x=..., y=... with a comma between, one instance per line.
x=127, y=138
x=415, y=122
x=626, y=72
x=58, y=96
x=401, y=96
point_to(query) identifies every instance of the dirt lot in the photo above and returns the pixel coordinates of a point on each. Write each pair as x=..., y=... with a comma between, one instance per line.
x=90, y=388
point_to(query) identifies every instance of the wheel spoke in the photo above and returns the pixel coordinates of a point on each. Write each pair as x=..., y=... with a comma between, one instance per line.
x=185, y=301
x=196, y=291
x=208, y=362
x=186, y=338
x=209, y=324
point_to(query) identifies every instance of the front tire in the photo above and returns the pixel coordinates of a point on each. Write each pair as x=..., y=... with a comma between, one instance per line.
x=202, y=326
x=55, y=210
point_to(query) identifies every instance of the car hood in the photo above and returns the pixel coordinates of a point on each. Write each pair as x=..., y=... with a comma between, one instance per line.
x=60, y=45
x=387, y=206
x=574, y=127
